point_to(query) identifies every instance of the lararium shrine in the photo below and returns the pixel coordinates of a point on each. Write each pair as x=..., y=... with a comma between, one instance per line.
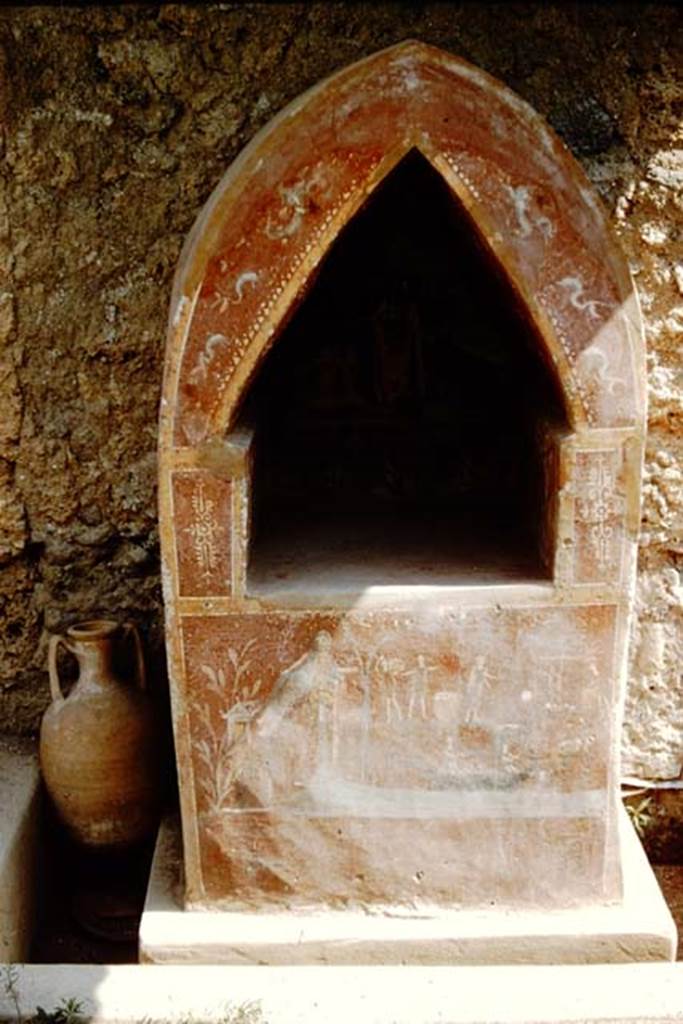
x=401, y=443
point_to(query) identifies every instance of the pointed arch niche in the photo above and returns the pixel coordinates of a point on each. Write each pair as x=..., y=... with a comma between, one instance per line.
x=405, y=419
x=401, y=436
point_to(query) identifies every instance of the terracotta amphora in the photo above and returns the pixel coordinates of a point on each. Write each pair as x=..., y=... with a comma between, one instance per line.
x=100, y=747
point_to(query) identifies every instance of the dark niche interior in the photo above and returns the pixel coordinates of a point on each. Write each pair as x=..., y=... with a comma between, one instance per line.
x=399, y=418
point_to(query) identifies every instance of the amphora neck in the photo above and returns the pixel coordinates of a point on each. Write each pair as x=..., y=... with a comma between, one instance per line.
x=93, y=645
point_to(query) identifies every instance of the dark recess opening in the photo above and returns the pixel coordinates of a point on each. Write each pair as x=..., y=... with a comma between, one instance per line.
x=399, y=416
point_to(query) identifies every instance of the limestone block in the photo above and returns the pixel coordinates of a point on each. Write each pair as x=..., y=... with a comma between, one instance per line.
x=652, y=739
x=19, y=803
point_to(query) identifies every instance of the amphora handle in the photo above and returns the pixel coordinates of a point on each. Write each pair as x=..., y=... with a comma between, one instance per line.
x=130, y=627
x=55, y=689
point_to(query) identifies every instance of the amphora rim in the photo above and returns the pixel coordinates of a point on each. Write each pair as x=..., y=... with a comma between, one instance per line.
x=92, y=629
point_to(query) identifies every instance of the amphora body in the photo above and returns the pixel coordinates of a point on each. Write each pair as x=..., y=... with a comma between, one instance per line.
x=99, y=746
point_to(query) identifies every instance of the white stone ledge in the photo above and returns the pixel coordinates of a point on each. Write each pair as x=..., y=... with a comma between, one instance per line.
x=609, y=994
x=19, y=802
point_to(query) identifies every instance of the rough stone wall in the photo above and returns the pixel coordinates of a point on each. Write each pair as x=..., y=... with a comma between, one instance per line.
x=116, y=124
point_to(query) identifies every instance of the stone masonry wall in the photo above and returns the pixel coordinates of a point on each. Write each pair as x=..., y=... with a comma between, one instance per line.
x=117, y=122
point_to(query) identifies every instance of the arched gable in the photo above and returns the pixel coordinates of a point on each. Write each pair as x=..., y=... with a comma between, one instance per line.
x=280, y=206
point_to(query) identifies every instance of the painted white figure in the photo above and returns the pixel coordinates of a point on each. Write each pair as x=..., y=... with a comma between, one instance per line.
x=419, y=688
x=294, y=734
x=475, y=690
x=451, y=759
x=315, y=674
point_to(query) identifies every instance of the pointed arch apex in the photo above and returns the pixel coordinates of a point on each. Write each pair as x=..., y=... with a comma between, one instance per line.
x=411, y=45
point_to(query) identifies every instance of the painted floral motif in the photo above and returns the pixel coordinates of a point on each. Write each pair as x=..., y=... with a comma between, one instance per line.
x=204, y=530
x=597, y=507
x=238, y=700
